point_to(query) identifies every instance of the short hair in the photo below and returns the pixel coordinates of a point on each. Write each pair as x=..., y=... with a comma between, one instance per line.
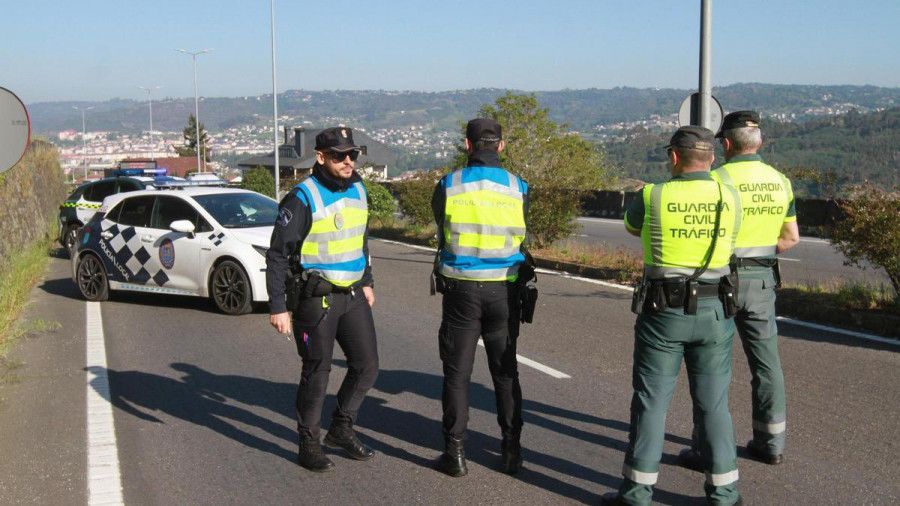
x=744, y=138
x=693, y=157
x=483, y=145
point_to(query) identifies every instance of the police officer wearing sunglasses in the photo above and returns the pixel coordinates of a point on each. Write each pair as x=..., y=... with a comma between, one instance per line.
x=319, y=255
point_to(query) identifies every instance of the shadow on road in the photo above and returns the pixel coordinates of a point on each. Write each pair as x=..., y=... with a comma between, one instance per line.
x=786, y=329
x=212, y=401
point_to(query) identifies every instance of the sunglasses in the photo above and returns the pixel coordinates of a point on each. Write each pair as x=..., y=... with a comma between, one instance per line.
x=340, y=156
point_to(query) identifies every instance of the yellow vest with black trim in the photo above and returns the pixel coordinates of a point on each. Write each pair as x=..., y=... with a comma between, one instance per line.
x=678, y=228
x=766, y=195
x=334, y=245
x=484, y=225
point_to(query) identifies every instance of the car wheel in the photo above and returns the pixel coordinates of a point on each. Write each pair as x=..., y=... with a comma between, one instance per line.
x=91, y=278
x=69, y=239
x=230, y=289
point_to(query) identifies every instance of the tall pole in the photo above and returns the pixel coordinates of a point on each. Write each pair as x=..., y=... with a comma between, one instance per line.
x=705, y=63
x=196, y=103
x=83, y=140
x=275, y=106
x=150, y=103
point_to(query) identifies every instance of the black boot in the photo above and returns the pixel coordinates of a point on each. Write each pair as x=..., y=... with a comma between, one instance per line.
x=511, y=451
x=341, y=435
x=691, y=459
x=453, y=460
x=310, y=455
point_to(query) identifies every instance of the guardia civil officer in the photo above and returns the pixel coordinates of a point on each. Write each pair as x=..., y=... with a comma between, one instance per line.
x=480, y=213
x=769, y=227
x=687, y=226
x=323, y=223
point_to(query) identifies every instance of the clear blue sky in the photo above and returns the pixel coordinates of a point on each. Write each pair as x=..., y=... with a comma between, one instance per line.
x=102, y=49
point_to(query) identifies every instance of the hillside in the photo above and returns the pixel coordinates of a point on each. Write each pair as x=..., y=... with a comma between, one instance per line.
x=583, y=110
x=855, y=146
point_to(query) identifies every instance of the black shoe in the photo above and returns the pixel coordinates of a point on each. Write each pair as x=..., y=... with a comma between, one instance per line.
x=690, y=459
x=341, y=435
x=511, y=452
x=763, y=456
x=453, y=460
x=611, y=499
x=311, y=457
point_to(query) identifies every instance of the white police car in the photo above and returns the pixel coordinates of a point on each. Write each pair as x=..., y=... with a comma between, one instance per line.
x=81, y=205
x=194, y=240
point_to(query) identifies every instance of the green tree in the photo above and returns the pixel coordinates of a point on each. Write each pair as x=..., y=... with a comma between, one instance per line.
x=560, y=167
x=381, y=203
x=414, y=197
x=259, y=180
x=870, y=230
x=189, y=134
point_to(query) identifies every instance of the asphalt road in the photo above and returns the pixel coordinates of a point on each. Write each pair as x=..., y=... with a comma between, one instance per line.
x=812, y=261
x=203, y=406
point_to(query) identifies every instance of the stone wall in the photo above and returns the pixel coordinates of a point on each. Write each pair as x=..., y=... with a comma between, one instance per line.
x=30, y=195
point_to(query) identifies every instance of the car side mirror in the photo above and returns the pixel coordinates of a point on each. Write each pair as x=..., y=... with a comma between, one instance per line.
x=183, y=226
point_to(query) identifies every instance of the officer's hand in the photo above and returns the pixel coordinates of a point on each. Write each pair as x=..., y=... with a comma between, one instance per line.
x=370, y=295
x=281, y=322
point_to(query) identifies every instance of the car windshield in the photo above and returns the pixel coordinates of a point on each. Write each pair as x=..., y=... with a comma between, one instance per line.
x=240, y=210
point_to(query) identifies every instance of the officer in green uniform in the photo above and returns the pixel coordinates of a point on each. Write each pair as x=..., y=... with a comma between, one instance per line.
x=687, y=226
x=769, y=226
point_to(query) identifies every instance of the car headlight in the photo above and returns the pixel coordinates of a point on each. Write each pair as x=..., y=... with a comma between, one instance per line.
x=261, y=250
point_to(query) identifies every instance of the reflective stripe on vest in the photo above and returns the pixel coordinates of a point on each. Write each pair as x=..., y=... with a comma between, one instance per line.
x=678, y=228
x=484, y=225
x=334, y=245
x=765, y=196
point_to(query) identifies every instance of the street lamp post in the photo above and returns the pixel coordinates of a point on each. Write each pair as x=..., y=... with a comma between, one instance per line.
x=83, y=139
x=150, y=103
x=196, y=101
x=275, y=106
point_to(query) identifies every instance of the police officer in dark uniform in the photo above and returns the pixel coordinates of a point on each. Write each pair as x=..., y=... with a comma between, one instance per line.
x=480, y=211
x=319, y=247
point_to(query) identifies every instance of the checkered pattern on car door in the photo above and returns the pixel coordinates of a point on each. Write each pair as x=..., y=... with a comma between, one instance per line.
x=130, y=252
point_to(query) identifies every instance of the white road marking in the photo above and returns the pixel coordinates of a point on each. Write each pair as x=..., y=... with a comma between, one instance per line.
x=104, y=479
x=789, y=259
x=630, y=289
x=536, y=365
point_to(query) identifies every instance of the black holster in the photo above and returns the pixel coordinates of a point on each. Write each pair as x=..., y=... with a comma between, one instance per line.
x=304, y=285
x=776, y=271
x=728, y=294
x=528, y=296
x=639, y=296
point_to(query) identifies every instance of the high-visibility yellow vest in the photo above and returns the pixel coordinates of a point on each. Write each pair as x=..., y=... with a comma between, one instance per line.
x=678, y=228
x=484, y=225
x=334, y=245
x=766, y=196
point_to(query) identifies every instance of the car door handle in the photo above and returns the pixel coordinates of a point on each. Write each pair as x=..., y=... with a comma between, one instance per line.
x=147, y=238
x=106, y=235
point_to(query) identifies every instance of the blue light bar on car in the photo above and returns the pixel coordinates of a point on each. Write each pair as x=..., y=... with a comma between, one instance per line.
x=140, y=172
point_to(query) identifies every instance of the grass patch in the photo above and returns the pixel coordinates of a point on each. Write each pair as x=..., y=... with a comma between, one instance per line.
x=17, y=275
x=617, y=264
x=398, y=231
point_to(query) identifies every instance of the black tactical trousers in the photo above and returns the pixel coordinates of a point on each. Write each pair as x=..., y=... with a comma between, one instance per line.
x=472, y=310
x=318, y=323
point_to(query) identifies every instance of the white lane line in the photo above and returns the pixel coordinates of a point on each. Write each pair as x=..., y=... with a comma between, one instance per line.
x=789, y=259
x=631, y=289
x=104, y=479
x=861, y=335
x=536, y=365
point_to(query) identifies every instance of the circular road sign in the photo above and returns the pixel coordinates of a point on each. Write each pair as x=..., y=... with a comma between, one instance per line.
x=15, y=129
x=689, y=112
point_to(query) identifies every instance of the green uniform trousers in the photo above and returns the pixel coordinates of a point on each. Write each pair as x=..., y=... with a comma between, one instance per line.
x=704, y=342
x=755, y=324
x=759, y=335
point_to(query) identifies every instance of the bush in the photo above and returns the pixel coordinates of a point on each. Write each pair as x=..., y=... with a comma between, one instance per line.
x=381, y=203
x=870, y=230
x=259, y=180
x=414, y=197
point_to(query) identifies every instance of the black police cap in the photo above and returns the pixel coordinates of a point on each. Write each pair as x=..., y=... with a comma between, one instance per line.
x=483, y=129
x=335, y=139
x=693, y=137
x=739, y=119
